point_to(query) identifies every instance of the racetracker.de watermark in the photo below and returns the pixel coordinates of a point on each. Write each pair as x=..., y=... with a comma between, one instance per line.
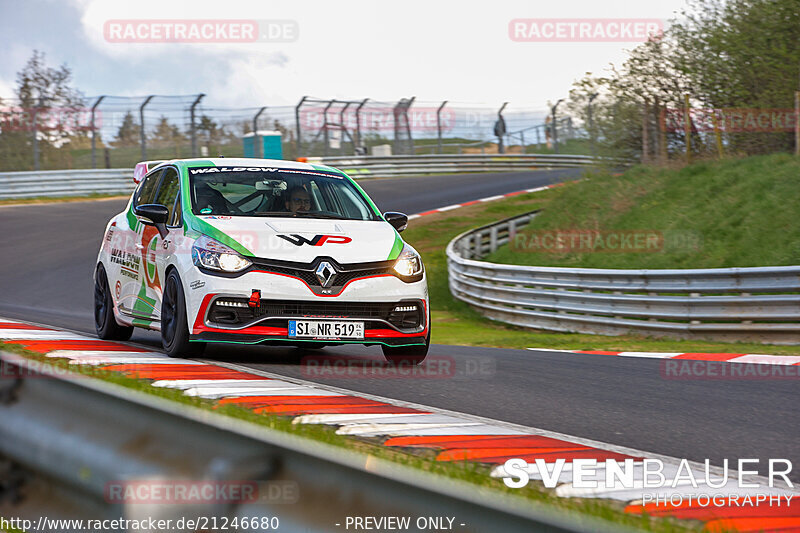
x=66, y=119
x=583, y=241
x=421, y=119
x=731, y=120
x=200, y=31
x=434, y=367
x=689, y=370
x=33, y=369
x=584, y=30
x=188, y=492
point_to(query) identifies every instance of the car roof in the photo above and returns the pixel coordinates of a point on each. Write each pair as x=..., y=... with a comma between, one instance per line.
x=250, y=161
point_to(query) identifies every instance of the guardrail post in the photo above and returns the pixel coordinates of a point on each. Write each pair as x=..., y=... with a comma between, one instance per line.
x=192, y=131
x=256, y=147
x=94, y=132
x=493, y=239
x=298, y=142
x=142, y=136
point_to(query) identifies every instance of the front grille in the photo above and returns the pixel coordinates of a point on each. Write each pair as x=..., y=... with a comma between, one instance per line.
x=410, y=315
x=307, y=271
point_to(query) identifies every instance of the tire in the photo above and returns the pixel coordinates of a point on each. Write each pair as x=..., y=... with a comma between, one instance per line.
x=104, y=322
x=174, y=327
x=406, y=355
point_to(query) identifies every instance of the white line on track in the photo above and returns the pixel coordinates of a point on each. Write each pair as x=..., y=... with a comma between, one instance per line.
x=482, y=426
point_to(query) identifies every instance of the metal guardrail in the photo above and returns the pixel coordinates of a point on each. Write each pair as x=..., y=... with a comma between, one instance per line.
x=406, y=165
x=748, y=304
x=55, y=183
x=75, y=436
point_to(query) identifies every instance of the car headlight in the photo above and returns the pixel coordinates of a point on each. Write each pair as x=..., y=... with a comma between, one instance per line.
x=409, y=265
x=213, y=255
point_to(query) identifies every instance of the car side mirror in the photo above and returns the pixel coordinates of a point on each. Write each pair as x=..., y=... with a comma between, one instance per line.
x=154, y=215
x=398, y=220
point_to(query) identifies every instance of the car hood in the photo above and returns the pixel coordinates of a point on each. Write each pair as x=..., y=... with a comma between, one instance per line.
x=305, y=239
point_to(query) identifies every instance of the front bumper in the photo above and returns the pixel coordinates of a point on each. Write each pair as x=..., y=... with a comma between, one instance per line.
x=373, y=300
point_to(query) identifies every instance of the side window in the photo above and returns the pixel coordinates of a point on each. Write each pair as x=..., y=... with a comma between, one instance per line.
x=168, y=192
x=147, y=190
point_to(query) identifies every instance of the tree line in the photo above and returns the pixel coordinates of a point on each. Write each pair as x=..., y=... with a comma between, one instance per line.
x=737, y=60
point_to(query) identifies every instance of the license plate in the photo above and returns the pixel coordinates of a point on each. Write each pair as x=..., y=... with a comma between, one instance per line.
x=325, y=329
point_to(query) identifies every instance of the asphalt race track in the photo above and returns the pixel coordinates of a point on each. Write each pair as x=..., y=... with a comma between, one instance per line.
x=49, y=250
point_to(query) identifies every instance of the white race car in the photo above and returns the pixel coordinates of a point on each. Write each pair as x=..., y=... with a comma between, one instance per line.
x=258, y=251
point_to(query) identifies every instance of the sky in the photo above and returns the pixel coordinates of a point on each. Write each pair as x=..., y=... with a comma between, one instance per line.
x=351, y=49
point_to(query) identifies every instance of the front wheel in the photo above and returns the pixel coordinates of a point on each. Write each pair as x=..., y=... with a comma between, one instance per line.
x=413, y=355
x=104, y=322
x=174, y=326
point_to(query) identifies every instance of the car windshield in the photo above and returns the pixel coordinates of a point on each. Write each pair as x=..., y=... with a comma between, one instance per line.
x=272, y=192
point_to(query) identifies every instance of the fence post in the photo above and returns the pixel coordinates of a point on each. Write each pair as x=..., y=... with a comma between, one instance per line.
x=662, y=129
x=402, y=132
x=439, y=124
x=256, y=147
x=358, y=127
x=35, y=136
x=191, y=124
x=590, y=120
x=325, y=125
x=687, y=128
x=797, y=123
x=342, y=128
x=645, y=132
x=554, y=125
x=142, y=136
x=500, y=129
x=717, y=133
x=94, y=132
x=298, y=127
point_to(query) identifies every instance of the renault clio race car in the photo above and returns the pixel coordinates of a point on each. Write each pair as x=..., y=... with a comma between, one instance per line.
x=257, y=251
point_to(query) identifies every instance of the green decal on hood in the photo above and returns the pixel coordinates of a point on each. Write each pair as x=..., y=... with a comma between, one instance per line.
x=397, y=248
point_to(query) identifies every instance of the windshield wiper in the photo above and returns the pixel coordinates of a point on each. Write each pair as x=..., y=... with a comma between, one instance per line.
x=308, y=214
x=300, y=214
x=272, y=214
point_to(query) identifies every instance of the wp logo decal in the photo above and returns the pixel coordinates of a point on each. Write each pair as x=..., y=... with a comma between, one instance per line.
x=317, y=240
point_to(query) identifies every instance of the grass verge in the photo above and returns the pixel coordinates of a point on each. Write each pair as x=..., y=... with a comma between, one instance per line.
x=713, y=214
x=421, y=459
x=60, y=199
x=456, y=323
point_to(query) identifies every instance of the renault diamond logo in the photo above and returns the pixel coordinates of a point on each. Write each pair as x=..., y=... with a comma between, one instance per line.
x=325, y=274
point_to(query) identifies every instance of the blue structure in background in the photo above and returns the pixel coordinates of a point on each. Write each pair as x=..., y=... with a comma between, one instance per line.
x=269, y=143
